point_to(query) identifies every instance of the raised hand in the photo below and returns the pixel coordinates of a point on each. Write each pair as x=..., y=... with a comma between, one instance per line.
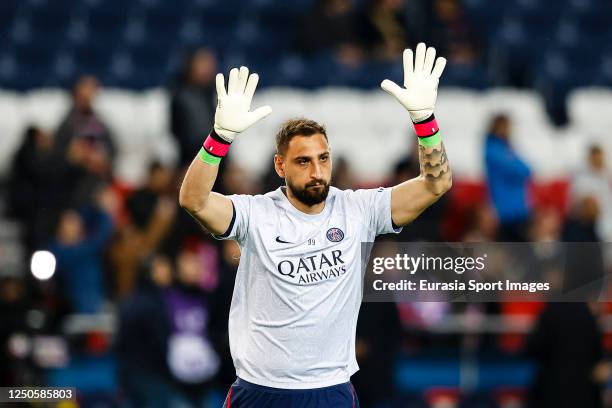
x=421, y=78
x=233, y=114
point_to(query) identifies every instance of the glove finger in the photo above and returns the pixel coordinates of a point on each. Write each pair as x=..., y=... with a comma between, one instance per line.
x=391, y=88
x=408, y=65
x=439, y=67
x=251, y=86
x=220, y=80
x=232, y=86
x=243, y=75
x=419, y=59
x=258, y=114
x=430, y=58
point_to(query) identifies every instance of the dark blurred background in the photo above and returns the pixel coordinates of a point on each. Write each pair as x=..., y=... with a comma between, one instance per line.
x=108, y=286
x=552, y=46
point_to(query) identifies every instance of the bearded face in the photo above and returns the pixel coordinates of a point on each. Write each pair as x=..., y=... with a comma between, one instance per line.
x=307, y=168
x=314, y=192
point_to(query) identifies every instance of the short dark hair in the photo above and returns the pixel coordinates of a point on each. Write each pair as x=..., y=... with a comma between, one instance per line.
x=297, y=127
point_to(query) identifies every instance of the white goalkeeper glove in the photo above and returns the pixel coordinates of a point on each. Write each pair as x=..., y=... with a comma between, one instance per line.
x=233, y=114
x=421, y=80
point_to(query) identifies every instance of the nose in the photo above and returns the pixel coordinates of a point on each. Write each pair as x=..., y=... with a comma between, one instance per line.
x=315, y=172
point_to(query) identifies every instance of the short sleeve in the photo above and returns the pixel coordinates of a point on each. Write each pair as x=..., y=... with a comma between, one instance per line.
x=239, y=226
x=375, y=207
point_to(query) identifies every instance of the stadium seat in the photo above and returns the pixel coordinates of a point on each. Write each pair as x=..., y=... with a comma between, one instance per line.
x=49, y=23
x=9, y=10
x=485, y=15
x=106, y=26
x=592, y=16
x=137, y=68
x=465, y=116
x=555, y=78
x=281, y=8
x=11, y=127
x=472, y=76
x=162, y=21
x=8, y=68
x=604, y=74
x=353, y=118
x=515, y=47
x=92, y=60
x=32, y=66
x=589, y=110
x=153, y=106
x=45, y=108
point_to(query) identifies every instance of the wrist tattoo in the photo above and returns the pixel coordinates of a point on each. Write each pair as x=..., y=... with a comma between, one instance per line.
x=434, y=163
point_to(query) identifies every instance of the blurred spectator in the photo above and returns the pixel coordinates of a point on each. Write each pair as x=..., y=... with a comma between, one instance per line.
x=566, y=346
x=450, y=31
x=141, y=203
x=152, y=211
x=384, y=28
x=428, y=225
x=14, y=344
x=66, y=170
x=546, y=226
x=192, y=107
x=236, y=180
x=82, y=122
x=507, y=179
x=343, y=177
x=179, y=363
x=593, y=181
x=271, y=180
x=376, y=354
x=142, y=338
x=85, y=169
x=580, y=225
x=228, y=265
x=333, y=26
x=31, y=185
x=78, y=246
x=584, y=264
x=482, y=225
x=192, y=359
x=462, y=54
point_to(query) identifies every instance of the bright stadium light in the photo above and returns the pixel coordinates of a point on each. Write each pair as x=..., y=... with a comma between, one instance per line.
x=42, y=265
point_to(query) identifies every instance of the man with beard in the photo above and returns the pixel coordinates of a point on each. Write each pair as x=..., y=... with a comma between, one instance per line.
x=299, y=283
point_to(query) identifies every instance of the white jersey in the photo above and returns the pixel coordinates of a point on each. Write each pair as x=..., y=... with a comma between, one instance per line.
x=298, y=287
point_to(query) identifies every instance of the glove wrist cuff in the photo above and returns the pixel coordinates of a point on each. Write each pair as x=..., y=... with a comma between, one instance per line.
x=428, y=132
x=214, y=148
x=427, y=127
x=226, y=135
x=420, y=115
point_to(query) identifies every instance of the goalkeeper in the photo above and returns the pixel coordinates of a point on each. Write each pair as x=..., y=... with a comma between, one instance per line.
x=298, y=287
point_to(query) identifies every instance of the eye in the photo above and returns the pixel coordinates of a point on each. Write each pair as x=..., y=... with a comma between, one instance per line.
x=324, y=158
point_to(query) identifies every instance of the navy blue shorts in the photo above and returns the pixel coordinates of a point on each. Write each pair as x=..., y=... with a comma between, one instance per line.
x=243, y=394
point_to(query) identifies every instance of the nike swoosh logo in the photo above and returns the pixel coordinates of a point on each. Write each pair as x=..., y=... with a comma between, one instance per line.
x=278, y=239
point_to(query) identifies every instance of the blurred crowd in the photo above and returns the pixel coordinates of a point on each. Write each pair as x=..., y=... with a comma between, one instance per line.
x=381, y=30
x=131, y=252
x=119, y=249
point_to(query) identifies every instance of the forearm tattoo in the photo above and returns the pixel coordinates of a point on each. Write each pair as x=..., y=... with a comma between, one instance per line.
x=434, y=164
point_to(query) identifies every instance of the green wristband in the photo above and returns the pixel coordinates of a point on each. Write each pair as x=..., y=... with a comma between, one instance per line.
x=208, y=158
x=431, y=141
